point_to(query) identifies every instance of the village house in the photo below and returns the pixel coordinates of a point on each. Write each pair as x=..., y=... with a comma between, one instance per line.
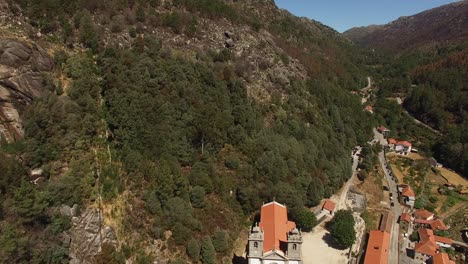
x=429, y=245
x=407, y=195
x=423, y=214
x=403, y=147
x=405, y=221
x=328, y=207
x=435, y=225
x=386, y=222
x=383, y=130
x=369, y=109
x=275, y=239
x=434, y=163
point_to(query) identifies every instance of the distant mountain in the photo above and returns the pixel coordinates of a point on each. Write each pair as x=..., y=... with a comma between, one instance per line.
x=357, y=33
x=445, y=23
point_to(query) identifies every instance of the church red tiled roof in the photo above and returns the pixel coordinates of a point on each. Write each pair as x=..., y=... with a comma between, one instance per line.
x=275, y=225
x=377, y=247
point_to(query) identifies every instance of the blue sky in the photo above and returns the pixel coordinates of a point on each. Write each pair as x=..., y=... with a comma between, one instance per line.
x=344, y=14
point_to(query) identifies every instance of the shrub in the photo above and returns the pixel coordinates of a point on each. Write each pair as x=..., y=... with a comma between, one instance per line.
x=197, y=197
x=193, y=249
x=306, y=220
x=220, y=241
x=231, y=163
x=207, y=251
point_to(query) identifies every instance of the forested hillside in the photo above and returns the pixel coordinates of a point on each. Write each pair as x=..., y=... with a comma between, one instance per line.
x=169, y=123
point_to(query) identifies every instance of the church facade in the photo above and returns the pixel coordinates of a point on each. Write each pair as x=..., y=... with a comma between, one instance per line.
x=275, y=240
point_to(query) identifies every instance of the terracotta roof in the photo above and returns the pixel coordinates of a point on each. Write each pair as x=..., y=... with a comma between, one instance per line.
x=392, y=141
x=368, y=108
x=382, y=128
x=275, y=225
x=377, y=247
x=442, y=258
x=404, y=143
x=427, y=244
x=386, y=222
x=423, y=221
x=405, y=217
x=423, y=214
x=408, y=192
x=444, y=240
x=439, y=225
x=329, y=205
x=434, y=224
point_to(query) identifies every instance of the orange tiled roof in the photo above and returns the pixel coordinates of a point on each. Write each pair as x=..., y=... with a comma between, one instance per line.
x=423, y=214
x=427, y=244
x=408, y=192
x=405, y=217
x=442, y=258
x=438, y=224
x=444, y=240
x=434, y=224
x=377, y=247
x=392, y=141
x=404, y=143
x=329, y=205
x=275, y=225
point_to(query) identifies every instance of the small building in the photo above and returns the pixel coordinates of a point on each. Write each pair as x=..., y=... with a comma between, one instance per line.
x=386, y=222
x=369, y=109
x=405, y=221
x=403, y=147
x=328, y=207
x=377, y=247
x=392, y=141
x=407, y=194
x=275, y=239
x=434, y=163
x=383, y=130
x=423, y=214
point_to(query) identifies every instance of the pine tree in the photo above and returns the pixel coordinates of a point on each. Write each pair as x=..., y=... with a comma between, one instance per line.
x=207, y=251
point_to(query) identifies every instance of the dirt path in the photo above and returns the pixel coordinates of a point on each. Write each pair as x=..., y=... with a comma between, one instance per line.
x=456, y=208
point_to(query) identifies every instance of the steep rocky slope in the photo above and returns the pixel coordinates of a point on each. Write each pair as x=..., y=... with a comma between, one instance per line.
x=169, y=123
x=448, y=23
x=21, y=80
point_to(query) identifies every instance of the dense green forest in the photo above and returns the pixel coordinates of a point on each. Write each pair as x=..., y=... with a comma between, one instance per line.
x=435, y=83
x=178, y=137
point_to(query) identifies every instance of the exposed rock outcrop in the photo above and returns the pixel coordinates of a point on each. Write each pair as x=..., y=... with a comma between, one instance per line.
x=21, y=80
x=88, y=235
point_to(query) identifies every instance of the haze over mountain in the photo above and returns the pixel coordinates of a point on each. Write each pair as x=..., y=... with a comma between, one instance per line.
x=441, y=24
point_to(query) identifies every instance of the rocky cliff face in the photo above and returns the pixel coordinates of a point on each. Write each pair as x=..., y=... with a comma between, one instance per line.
x=21, y=80
x=88, y=235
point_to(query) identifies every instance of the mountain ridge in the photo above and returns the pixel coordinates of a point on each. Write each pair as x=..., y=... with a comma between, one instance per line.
x=447, y=23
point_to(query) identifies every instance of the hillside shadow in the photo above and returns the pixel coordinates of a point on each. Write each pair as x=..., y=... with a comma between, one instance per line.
x=239, y=260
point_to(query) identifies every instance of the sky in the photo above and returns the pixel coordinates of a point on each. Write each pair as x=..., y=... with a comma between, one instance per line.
x=345, y=14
